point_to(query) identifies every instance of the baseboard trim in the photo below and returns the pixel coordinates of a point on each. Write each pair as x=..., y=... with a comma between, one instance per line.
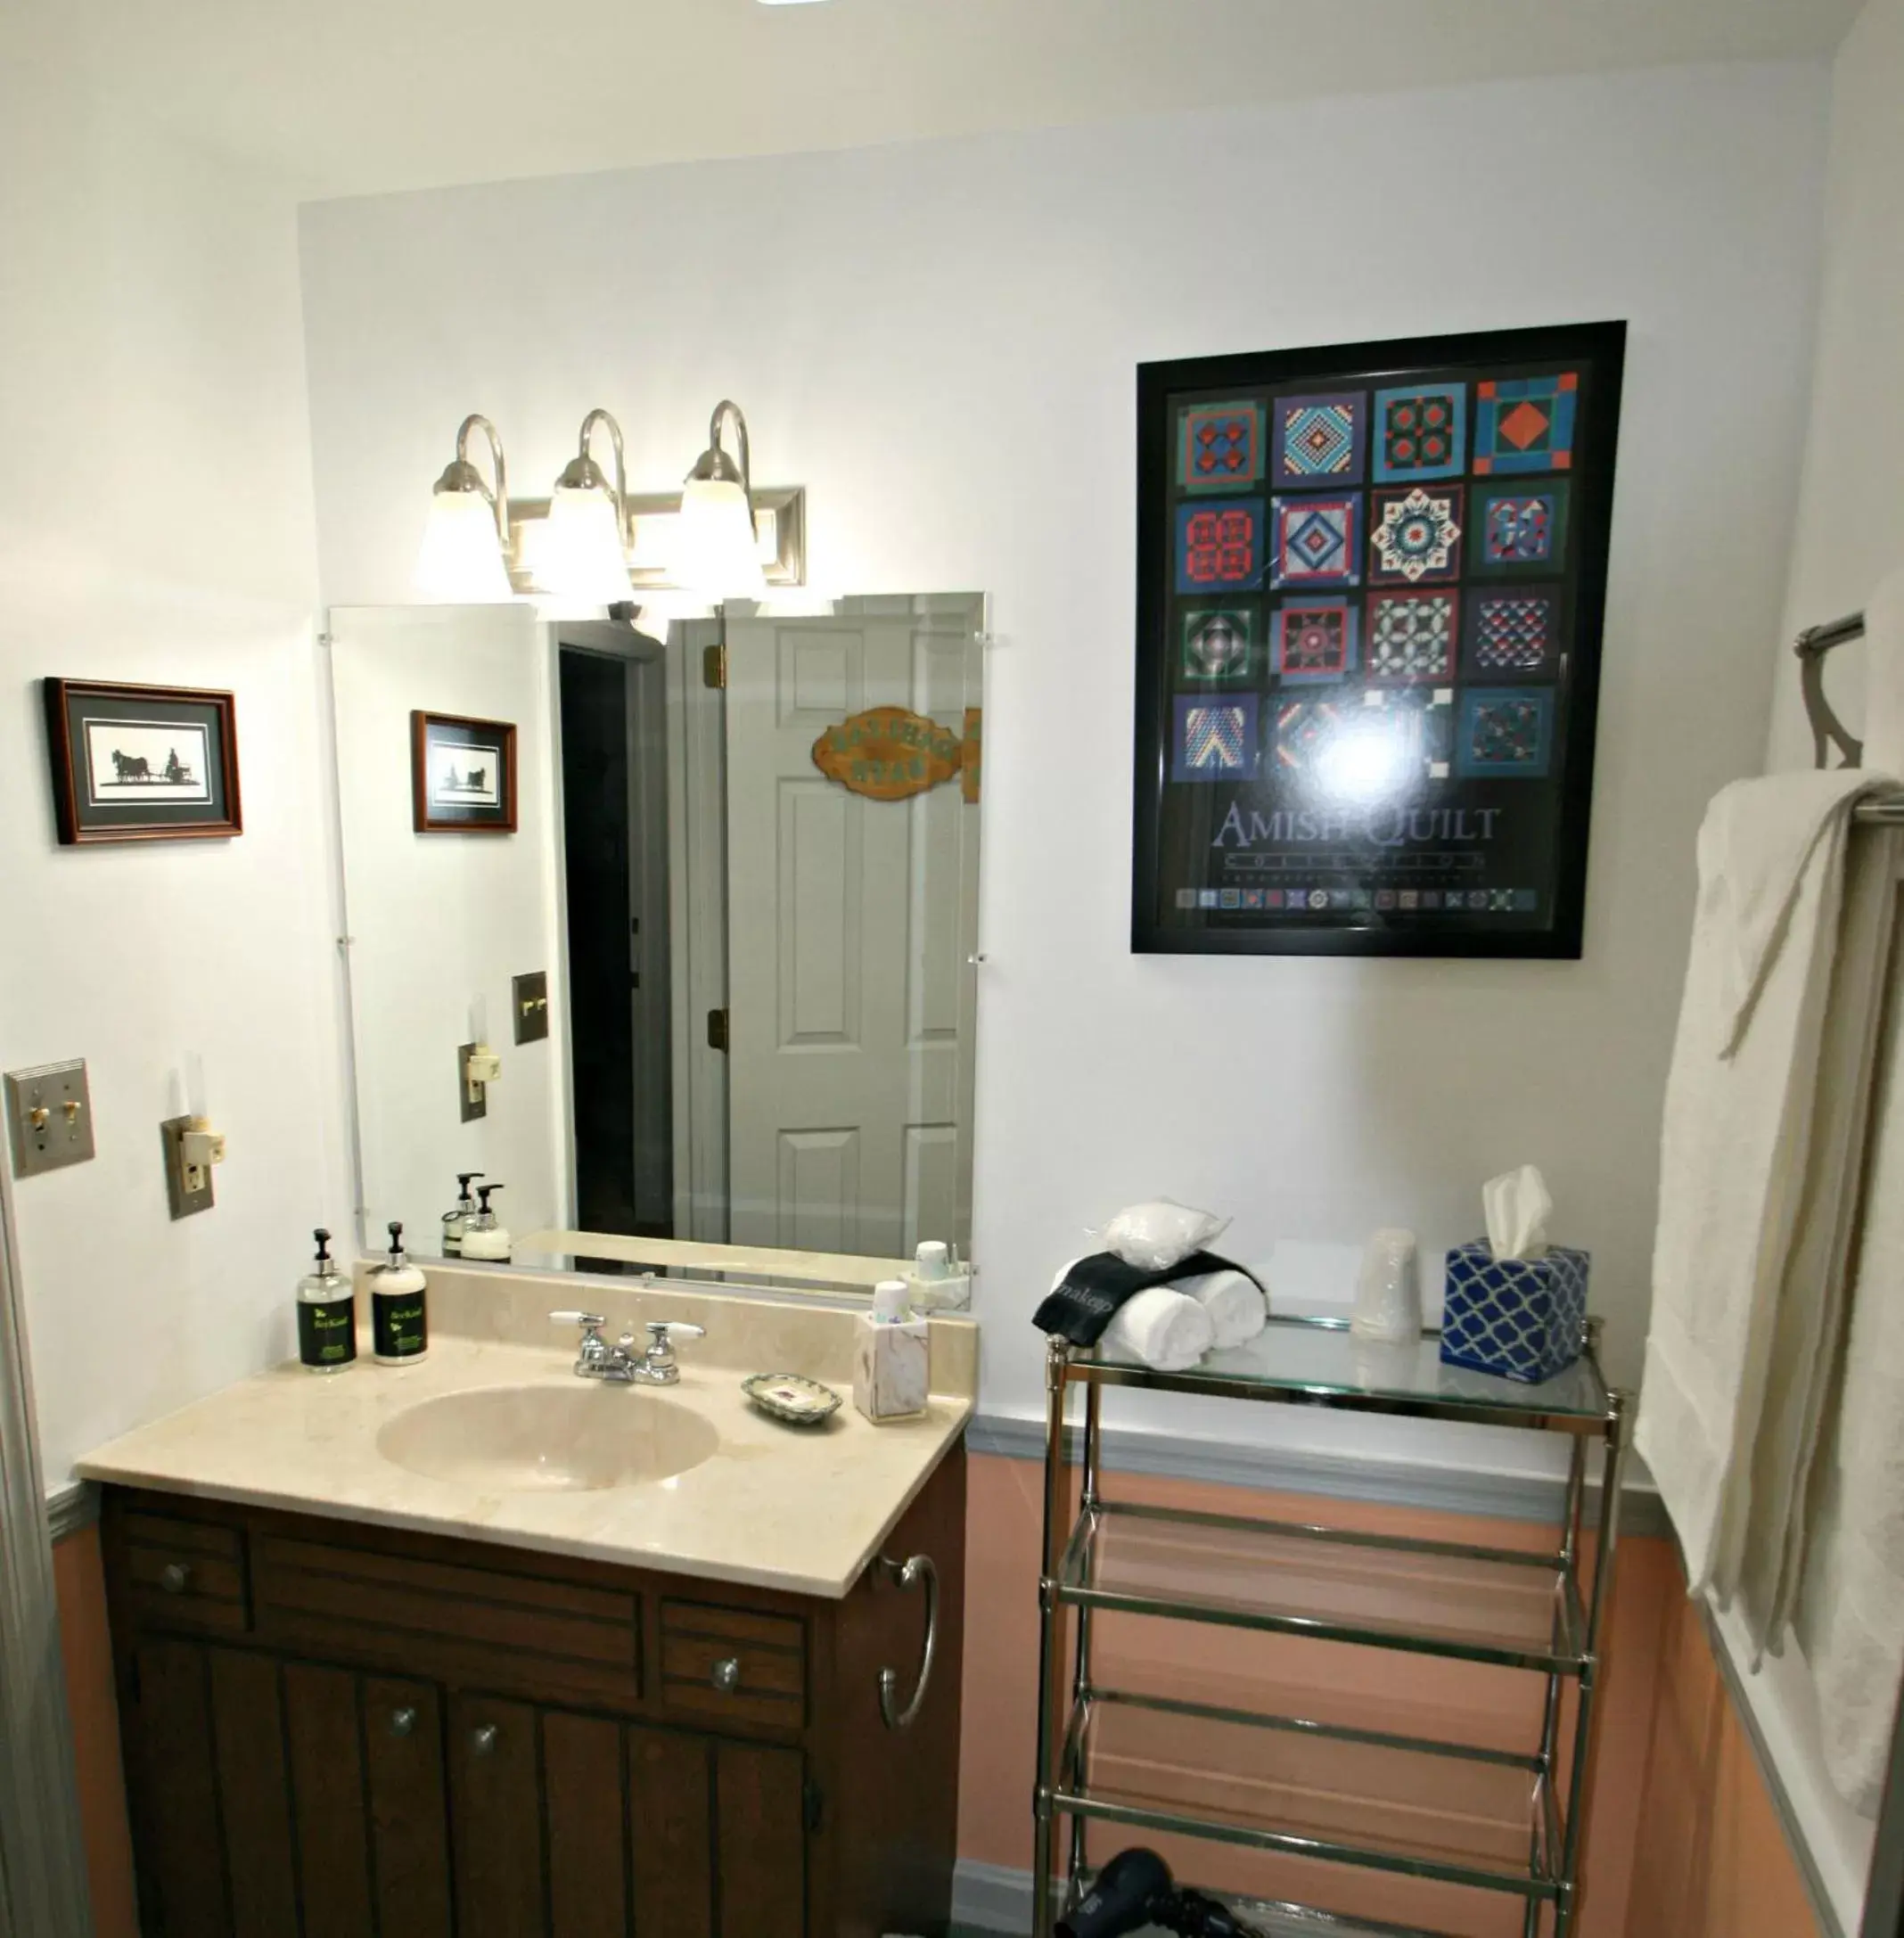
x=1395, y=1483
x=72, y=1508
x=990, y=1898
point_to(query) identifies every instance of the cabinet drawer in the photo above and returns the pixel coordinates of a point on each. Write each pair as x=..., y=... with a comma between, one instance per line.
x=442, y=1618
x=734, y=1662
x=187, y=1573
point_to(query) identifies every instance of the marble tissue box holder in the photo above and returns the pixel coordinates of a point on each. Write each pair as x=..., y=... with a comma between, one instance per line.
x=1522, y=1318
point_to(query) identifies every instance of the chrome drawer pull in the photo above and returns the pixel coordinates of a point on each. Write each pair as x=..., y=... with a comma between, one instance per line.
x=174, y=1578
x=727, y=1676
x=483, y=1740
x=909, y=1575
x=402, y=1722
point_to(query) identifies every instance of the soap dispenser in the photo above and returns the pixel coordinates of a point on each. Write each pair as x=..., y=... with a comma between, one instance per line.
x=892, y=1357
x=326, y=1314
x=486, y=1236
x=456, y=1222
x=399, y=1326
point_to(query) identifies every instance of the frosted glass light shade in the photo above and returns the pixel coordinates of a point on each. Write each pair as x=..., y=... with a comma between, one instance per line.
x=461, y=560
x=715, y=551
x=580, y=558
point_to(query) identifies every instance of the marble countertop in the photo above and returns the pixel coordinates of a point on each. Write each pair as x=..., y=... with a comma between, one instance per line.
x=799, y=1509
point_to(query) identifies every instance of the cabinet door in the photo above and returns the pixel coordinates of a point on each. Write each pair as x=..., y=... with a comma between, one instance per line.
x=760, y=1846
x=174, y=1777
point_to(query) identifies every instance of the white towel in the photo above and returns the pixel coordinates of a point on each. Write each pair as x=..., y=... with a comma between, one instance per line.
x=1234, y=1301
x=1164, y=1328
x=1739, y=1107
x=1851, y=1606
x=1813, y=1298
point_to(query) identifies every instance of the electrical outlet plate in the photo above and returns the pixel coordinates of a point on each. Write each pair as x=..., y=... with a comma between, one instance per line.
x=529, y=1005
x=49, y=1117
x=186, y=1198
x=479, y=1105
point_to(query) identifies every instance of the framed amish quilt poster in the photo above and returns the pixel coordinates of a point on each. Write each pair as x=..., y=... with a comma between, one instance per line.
x=1371, y=583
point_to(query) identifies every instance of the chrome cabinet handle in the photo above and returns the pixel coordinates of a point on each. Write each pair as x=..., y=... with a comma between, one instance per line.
x=403, y=1721
x=483, y=1740
x=727, y=1676
x=909, y=1575
x=175, y=1577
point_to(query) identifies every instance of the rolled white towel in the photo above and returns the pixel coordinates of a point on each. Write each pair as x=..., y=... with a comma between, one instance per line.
x=1234, y=1301
x=1164, y=1328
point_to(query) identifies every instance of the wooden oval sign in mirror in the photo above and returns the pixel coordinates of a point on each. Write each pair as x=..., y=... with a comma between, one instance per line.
x=888, y=753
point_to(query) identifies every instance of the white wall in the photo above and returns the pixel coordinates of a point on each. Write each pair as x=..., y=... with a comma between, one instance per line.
x=155, y=525
x=440, y=923
x=939, y=340
x=1851, y=517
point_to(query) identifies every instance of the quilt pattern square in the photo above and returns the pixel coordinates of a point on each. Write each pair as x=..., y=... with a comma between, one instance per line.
x=1314, y=640
x=1415, y=535
x=1321, y=440
x=1305, y=731
x=1419, y=724
x=1412, y=635
x=1315, y=540
x=1215, y=740
x=1220, y=544
x=1220, y=446
x=1505, y=733
x=1420, y=432
x=1522, y=528
x=1515, y=632
x=1218, y=644
x=1524, y=423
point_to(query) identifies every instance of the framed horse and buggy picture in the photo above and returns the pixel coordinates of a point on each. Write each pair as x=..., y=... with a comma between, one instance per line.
x=136, y=763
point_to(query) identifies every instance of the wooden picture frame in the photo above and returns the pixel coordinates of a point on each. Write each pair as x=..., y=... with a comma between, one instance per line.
x=1371, y=588
x=142, y=763
x=451, y=793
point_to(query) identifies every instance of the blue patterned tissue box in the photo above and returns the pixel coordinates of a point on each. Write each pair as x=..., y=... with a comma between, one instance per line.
x=1522, y=1318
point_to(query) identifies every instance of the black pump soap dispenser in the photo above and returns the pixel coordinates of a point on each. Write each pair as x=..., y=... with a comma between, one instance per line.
x=399, y=1327
x=326, y=1314
x=456, y=1222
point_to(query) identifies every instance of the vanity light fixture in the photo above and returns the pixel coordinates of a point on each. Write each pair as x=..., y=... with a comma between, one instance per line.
x=464, y=554
x=715, y=547
x=583, y=554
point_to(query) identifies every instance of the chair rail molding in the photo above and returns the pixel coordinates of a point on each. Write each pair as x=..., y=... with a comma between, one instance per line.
x=42, y=1874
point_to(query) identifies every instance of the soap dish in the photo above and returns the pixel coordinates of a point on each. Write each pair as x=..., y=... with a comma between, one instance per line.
x=789, y=1397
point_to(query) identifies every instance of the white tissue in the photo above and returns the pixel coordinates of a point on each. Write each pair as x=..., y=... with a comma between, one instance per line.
x=1160, y=1233
x=1517, y=1205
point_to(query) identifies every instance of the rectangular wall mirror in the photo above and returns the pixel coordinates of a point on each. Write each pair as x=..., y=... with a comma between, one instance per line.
x=721, y=952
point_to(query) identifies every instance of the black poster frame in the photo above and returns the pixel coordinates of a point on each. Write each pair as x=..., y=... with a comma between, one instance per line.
x=1598, y=350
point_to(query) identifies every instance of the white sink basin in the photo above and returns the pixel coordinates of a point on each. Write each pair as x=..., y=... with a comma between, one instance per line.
x=546, y=1439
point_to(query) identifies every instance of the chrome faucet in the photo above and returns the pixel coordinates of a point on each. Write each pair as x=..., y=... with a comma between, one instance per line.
x=595, y=1359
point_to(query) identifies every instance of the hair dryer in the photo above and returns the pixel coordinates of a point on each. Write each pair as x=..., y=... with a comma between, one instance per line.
x=1135, y=1889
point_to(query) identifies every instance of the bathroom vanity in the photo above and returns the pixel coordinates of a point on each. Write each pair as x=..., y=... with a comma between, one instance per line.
x=359, y=1697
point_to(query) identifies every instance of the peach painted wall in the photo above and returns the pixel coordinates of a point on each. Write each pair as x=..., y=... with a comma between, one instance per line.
x=79, y=1580
x=1683, y=1841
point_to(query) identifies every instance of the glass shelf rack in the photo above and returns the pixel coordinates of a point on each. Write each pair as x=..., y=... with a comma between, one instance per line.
x=1489, y=1818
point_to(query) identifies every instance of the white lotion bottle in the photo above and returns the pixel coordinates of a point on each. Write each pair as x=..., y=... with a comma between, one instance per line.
x=892, y=1357
x=485, y=1237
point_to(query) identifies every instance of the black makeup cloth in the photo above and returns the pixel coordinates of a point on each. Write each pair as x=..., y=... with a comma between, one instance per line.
x=1085, y=1301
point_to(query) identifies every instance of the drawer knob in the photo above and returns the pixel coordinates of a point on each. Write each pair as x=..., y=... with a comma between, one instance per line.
x=174, y=1578
x=403, y=1721
x=728, y=1675
x=483, y=1740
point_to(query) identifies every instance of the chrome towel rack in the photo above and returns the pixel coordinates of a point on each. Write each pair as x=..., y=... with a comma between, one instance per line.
x=1827, y=730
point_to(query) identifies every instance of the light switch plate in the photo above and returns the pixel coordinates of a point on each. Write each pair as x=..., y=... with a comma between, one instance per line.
x=480, y=1107
x=185, y=1201
x=49, y=1116
x=529, y=1005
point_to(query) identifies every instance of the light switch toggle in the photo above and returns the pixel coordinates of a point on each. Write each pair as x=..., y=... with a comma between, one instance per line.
x=49, y=1116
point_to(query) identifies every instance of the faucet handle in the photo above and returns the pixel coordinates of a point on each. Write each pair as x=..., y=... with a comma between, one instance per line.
x=590, y=1322
x=662, y=1331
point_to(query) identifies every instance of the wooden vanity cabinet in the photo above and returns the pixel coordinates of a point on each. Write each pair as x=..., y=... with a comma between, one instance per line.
x=335, y=1730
